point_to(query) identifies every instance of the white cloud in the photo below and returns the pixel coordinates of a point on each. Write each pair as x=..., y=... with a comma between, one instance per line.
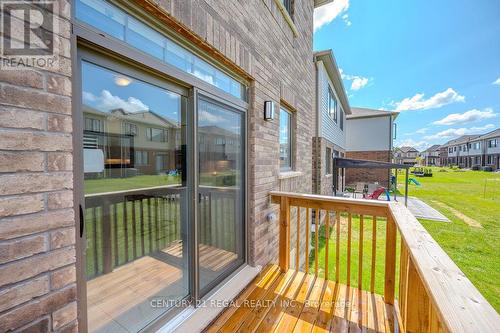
x=210, y=118
x=345, y=18
x=327, y=13
x=497, y=81
x=466, y=117
x=455, y=132
x=418, y=102
x=357, y=82
x=419, y=145
x=422, y=130
x=107, y=102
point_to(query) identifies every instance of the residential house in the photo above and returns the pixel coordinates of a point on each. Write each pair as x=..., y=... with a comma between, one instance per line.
x=462, y=153
x=430, y=156
x=492, y=148
x=332, y=107
x=406, y=155
x=443, y=155
x=139, y=168
x=370, y=135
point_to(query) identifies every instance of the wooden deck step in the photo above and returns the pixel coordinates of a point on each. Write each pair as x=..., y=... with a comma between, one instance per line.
x=298, y=302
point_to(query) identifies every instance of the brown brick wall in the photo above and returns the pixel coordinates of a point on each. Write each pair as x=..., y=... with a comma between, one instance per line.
x=37, y=233
x=368, y=175
x=37, y=251
x=255, y=36
x=321, y=179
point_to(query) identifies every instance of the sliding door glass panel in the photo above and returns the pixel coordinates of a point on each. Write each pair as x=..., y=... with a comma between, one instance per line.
x=221, y=191
x=136, y=199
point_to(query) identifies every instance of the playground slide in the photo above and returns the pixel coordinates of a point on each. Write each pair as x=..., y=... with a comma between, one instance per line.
x=414, y=181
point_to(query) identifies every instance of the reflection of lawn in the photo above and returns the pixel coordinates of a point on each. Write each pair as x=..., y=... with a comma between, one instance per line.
x=367, y=252
x=130, y=183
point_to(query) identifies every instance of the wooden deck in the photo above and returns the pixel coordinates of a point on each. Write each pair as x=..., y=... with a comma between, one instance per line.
x=121, y=299
x=299, y=302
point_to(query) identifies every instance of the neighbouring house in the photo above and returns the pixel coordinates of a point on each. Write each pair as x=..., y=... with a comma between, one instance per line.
x=332, y=107
x=430, y=156
x=470, y=151
x=139, y=168
x=406, y=155
x=370, y=135
x=443, y=155
x=462, y=154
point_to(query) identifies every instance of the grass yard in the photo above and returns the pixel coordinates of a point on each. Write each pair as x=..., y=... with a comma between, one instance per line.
x=475, y=250
x=462, y=197
x=130, y=183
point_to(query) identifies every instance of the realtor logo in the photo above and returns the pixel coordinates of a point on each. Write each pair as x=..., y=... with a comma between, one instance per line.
x=29, y=33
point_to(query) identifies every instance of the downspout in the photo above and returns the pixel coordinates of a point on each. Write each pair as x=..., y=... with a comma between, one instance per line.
x=316, y=140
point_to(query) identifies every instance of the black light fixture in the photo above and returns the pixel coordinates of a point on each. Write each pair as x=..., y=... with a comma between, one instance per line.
x=268, y=110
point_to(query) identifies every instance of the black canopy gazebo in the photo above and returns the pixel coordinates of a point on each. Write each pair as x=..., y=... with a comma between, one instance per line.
x=348, y=163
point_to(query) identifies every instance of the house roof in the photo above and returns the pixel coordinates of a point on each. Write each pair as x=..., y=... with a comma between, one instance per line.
x=433, y=148
x=407, y=149
x=489, y=135
x=460, y=140
x=332, y=69
x=368, y=113
x=319, y=3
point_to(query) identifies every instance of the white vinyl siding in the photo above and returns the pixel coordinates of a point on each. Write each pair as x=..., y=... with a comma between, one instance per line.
x=328, y=129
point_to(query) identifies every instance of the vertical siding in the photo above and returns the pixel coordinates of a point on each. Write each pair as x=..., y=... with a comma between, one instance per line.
x=328, y=128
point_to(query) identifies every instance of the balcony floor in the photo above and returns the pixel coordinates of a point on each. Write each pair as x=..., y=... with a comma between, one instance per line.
x=299, y=302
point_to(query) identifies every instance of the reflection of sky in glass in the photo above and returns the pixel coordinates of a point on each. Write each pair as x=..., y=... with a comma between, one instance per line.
x=284, y=126
x=212, y=115
x=106, y=90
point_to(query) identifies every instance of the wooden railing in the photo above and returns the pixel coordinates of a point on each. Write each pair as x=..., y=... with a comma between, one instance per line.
x=123, y=226
x=434, y=295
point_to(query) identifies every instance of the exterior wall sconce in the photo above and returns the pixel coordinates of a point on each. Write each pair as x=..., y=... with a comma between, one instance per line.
x=268, y=110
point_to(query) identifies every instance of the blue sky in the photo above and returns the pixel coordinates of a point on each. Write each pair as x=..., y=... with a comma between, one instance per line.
x=438, y=62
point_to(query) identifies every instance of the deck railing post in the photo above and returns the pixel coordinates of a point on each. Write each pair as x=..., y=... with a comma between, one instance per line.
x=390, y=260
x=284, y=234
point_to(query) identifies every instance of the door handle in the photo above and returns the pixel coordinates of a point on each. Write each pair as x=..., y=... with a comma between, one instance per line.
x=82, y=224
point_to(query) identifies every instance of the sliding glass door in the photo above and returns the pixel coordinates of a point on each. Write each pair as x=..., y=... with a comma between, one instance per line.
x=136, y=198
x=142, y=210
x=221, y=156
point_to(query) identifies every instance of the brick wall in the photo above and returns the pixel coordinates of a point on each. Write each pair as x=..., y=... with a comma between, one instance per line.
x=368, y=175
x=37, y=227
x=255, y=36
x=321, y=179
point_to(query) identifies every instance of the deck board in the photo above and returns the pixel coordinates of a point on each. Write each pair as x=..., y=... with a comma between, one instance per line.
x=298, y=302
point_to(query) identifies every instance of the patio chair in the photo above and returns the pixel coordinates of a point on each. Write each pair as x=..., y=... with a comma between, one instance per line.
x=360, y=188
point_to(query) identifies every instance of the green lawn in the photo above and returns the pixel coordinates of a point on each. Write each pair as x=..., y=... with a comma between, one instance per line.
x=131, y=183
x=474, y=250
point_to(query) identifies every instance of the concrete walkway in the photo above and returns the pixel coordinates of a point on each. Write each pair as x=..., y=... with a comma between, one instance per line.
x=422, y=210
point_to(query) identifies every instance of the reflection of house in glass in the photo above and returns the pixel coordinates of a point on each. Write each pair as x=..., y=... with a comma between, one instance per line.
x=220, y=150
x=133, y=143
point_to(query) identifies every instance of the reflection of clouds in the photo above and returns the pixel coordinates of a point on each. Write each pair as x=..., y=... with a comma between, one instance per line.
x=205, y=116
x=107, y=102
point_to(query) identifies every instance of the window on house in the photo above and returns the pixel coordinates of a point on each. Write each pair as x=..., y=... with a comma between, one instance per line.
x=492, y=143
x=328, y=161
x=220, y=141
x=288, y=4
x=94, y=125
x=130, y=129
x=156, y=134
x=455, y=149
x=117, y=23
x=285, y=139
x=141, y=157
x=332, y=105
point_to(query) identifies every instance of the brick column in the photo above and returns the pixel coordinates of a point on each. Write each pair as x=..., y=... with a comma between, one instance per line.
x=37, y=227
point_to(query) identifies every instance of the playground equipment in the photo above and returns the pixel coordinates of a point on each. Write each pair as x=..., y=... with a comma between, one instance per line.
x=377, y=193
x=422, y=172
x=414, y=181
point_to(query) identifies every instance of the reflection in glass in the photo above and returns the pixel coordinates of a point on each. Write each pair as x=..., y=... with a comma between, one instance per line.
x=285, y=140
x=119, y=24
x=135, y=199
x=221, y=156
